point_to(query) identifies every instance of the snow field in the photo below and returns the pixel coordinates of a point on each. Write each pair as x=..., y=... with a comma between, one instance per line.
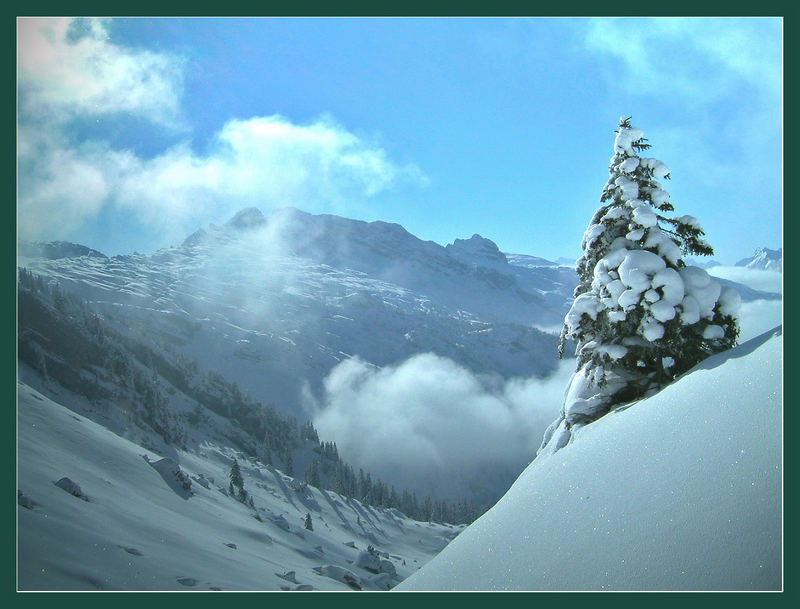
x=136, y=531
x=680, y=491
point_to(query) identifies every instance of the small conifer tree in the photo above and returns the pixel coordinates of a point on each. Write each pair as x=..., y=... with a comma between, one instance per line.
x=237, y=482
x=641, y=316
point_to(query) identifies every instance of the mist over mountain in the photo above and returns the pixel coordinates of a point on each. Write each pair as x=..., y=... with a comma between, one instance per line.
x=284, y=299
x=277, y=304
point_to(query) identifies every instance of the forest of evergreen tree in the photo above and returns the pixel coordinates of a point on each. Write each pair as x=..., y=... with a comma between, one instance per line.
x=67, y=342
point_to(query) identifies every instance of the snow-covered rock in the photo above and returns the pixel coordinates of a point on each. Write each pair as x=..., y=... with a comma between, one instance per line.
x=25, y=501
x=340, y=574
x=388, y=567
x=369, y=561
x=72, y=487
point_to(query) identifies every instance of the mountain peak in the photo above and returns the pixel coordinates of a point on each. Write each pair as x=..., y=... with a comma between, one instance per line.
x=476, y=250
x=249, y=217
x=764, y=259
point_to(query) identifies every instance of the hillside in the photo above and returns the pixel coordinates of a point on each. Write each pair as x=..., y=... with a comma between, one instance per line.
x=681, y=491
x=273, y=304
x=135, y=527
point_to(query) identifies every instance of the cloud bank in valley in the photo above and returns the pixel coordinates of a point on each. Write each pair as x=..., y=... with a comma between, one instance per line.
x=759, y=316
x=431, y=424
x=765, y=281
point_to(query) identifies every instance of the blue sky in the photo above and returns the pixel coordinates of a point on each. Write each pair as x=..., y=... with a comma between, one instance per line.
x=134, y=132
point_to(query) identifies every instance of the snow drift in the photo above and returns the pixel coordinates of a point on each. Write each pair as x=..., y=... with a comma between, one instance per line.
x=681, y=491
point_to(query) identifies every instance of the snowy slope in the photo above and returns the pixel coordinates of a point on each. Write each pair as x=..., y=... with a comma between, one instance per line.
x=681, y=491
x=139, y=530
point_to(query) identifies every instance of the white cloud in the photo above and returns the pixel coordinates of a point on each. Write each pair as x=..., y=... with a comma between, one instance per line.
x=765, y=281
x=697, y=57
x=62, y=190
x=61, y=76
x=428, y=423
x=265, y=162
x=262, y=161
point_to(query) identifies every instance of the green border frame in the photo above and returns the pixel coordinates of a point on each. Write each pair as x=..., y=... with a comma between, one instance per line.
x=409, y=8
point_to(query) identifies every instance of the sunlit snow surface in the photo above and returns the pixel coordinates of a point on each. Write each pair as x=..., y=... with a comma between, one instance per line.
x=139, y=531
x=681, y=491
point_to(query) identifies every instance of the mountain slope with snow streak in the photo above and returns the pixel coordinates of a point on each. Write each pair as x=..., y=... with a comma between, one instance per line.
x=275, y=303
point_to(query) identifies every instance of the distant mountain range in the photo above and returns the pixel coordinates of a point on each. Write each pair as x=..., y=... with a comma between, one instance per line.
x=274, y=303
x=764, y=259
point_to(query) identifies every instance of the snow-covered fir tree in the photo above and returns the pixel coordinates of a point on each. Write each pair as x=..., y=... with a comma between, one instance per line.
x=641, y=316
